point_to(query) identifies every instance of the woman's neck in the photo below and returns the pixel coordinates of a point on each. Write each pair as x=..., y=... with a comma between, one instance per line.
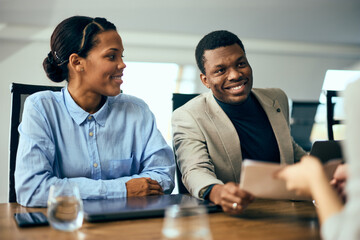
x=89, y=101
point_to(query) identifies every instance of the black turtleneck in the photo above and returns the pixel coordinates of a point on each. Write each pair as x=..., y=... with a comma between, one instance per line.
x=256, y=136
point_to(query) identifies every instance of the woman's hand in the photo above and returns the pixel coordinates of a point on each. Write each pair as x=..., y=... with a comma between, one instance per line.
x=301, y=176
x=143, y=187
x=339, y=180
x=308, y=178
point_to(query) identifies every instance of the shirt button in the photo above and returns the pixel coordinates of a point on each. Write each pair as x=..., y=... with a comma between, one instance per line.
x=90, y=117
x=95, y=165
x=278, y=110
x=91, y=134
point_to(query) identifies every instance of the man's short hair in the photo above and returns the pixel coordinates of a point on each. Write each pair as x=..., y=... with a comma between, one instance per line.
x=213, y=40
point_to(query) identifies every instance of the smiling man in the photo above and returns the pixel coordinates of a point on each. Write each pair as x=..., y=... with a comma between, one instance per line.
x=215, y=131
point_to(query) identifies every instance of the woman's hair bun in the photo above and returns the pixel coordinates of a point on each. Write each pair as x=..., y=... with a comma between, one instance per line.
x=52, y=70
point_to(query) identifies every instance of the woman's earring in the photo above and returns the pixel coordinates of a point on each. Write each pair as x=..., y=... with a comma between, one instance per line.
x=81, y=69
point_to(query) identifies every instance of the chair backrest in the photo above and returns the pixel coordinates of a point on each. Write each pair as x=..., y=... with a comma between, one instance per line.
x=330, y=104
x=19, y=92
x=178, y=100
x=302, y=121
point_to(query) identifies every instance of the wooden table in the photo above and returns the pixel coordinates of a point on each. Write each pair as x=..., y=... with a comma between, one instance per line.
x=264, y=219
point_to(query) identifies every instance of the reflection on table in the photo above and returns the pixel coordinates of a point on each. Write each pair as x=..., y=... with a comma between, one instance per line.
x=264, y=219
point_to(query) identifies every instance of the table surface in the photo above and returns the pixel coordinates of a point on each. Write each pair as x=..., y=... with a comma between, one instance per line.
x=263, y=219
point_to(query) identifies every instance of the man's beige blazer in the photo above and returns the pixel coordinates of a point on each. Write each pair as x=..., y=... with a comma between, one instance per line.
x=207, y=146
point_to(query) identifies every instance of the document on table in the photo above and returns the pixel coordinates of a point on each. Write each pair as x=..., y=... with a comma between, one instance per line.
x=257, y=178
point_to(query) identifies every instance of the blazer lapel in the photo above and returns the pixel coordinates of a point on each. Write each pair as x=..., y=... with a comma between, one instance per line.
x=278, y=122
x=226, y=132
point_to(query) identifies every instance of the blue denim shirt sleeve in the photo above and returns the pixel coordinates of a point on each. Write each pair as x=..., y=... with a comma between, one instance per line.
x=60, y=142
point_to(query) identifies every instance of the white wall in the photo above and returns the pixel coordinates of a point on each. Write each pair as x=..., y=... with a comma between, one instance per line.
x=297, y=68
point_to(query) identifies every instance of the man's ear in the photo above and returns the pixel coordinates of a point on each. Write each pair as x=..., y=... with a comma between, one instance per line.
x=204, y=80
x=76, y=62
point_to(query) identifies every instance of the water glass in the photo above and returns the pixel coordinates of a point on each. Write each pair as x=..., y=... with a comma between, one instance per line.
x=183, y=222
x=65, y=209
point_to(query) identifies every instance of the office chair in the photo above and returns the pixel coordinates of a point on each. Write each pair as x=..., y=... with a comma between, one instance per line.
x=302, y=121
x=19, y=92
x=330, y=94
x=178, y=100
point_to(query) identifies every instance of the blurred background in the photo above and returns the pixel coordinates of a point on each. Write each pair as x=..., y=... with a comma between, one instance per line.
x=290, y=44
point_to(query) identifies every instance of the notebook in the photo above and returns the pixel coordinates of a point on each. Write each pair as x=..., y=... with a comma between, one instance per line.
x=139, y=207
x=327, y=150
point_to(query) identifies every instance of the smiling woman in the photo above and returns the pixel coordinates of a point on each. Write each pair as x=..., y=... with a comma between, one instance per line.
x=89, y=134
x=99, y=74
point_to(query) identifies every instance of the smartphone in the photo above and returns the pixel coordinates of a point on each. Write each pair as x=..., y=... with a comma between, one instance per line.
x=31, y=219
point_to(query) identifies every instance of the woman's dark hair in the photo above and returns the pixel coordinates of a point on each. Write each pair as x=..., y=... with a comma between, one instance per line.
x=213, y=40
x=73, y=35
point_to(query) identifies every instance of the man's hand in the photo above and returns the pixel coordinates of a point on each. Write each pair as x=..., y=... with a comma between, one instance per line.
x=339, y=180
x=143, y=187
x=232, y=199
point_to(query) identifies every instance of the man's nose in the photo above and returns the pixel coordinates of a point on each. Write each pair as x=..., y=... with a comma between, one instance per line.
x=234, y=74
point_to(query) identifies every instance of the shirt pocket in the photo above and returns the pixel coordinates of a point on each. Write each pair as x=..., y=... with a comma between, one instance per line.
x=118, y=168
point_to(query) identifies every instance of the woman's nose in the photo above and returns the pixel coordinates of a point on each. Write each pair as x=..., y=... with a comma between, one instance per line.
x=121, y=65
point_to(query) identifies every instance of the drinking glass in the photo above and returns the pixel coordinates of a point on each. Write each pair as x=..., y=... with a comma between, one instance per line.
x=65, y=208
x=188, y=223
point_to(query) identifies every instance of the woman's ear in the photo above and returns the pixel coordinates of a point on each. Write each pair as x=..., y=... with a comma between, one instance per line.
x=76, y=62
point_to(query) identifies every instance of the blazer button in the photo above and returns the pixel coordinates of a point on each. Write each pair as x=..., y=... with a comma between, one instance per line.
x=278, y=110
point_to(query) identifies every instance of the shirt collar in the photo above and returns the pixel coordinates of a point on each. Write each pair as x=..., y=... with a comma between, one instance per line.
x=80, y=115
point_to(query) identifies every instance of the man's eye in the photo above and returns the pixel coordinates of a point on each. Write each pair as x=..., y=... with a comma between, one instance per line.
x=111, y=57
x=242, y=64
x=219, y=70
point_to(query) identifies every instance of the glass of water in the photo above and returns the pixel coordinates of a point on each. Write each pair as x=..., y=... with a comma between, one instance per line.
x=183, y=222
x=65, y=209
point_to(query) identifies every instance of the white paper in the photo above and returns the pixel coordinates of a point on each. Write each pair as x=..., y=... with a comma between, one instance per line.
x=257, y=178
